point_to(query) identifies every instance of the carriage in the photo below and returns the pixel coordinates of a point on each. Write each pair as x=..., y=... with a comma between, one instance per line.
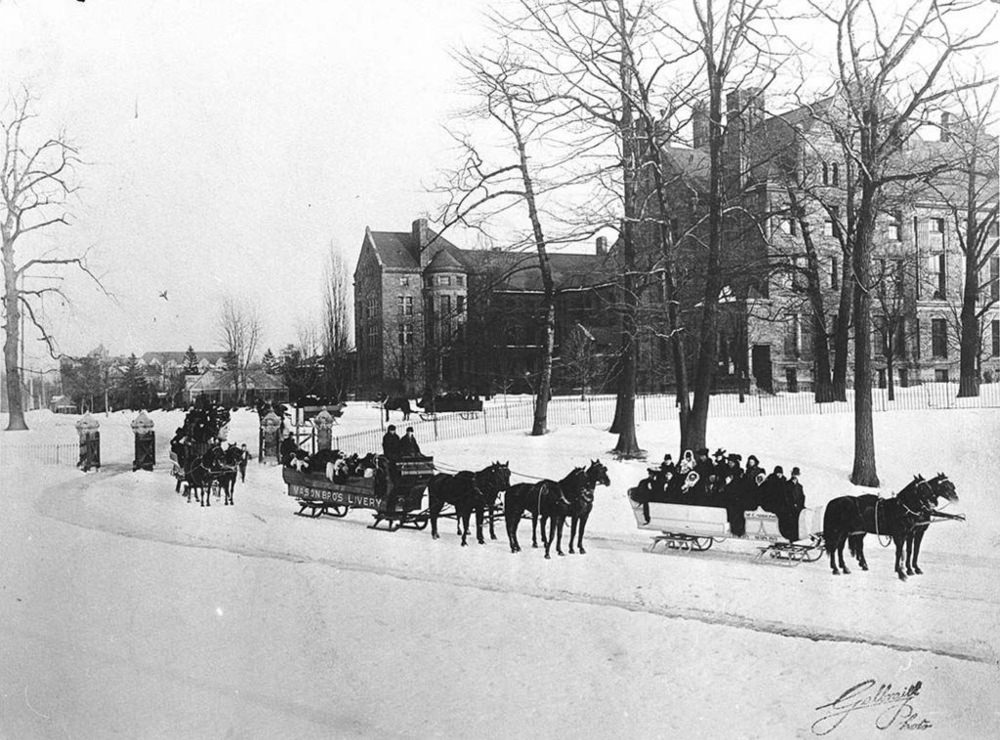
x=395, y=495
x=466, y=407
x=696, y=526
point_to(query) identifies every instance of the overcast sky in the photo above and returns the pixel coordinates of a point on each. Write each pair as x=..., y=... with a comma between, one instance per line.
x=227, y=143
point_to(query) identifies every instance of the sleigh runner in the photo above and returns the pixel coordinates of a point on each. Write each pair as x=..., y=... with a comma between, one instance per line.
x=697, y=527
x=395, y=493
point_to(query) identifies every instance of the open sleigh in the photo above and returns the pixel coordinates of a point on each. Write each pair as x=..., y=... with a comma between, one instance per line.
x=394, y=491
x=693, y=521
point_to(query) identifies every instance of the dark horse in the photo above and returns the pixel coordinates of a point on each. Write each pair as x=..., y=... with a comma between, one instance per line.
x=549, y=501
x=895, y=517
x=397, y=403
x=467, y=492
x=212, y=467
x=937, y=488
x=580, y=508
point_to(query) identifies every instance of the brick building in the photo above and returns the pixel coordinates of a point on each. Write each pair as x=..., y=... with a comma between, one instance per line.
x=430, y=314
x=785, y=176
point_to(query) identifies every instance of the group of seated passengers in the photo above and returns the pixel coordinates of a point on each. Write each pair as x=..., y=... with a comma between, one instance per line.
x=713, y=477
x=333, y=464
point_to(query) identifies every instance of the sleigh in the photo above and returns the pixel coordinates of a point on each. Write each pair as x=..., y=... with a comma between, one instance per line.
x=395, y=499
x=466, y=408
x=696, y=527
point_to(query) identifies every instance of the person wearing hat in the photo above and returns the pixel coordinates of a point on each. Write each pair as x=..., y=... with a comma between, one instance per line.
x=390, y=443
x=753, y=468
x=408, y=446
x=702, y=464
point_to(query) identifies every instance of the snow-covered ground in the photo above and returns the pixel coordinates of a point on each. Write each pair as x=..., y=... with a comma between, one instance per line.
x=126, y=612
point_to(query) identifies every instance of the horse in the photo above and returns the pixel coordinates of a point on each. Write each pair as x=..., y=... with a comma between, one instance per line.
x=938, y=487
x=205, y=470
x=850, y=517
x=231, y=460
x=398, y=403
x=467, y=492
x=580, y=508
x=546, y=500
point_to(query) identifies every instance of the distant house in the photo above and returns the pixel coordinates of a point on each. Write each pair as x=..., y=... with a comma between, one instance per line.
x=170, y=363
x=218, y=385
x=62, y=405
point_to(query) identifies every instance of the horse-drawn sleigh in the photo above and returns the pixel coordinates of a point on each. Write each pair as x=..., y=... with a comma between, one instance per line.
x=394, y=491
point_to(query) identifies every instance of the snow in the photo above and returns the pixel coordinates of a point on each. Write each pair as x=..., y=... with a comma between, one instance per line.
x=127, y=612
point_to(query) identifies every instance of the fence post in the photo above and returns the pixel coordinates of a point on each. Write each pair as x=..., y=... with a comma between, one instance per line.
x=435, y=423
x=486, y=428
x=590, y=412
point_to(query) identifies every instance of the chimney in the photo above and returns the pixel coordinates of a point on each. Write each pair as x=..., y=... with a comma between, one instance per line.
x=421, y=234
x=602, y=246
x=744, y=113
x=699, y=125
x=946, y=124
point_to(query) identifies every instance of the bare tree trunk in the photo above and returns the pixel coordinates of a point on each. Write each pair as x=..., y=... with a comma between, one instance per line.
x=11, y=356
x=968, y=377
x=863, y=473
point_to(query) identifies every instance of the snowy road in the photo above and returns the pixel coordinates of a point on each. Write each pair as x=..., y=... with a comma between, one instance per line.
x=127, y=613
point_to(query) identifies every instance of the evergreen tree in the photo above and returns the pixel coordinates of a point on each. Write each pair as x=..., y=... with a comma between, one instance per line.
x=272, y=366
x=190, y=361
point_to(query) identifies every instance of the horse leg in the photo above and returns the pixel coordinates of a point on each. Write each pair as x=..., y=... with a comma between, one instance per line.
x=898, y=539
x=560, y=520
x=464, y=516
x=572, y=532
x=534, y=528
x=493, y=535
x=552, y=532
x=479, y=526
x=434, y=508
x=831, y=548
x=840, y=556
x=511, y=518
x=918, y=536
x=907, y=548
x=583, y=525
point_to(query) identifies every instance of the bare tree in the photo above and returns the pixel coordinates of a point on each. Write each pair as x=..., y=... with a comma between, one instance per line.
x=481, y=190
x=887, y=94
x=335, y=334
x=36, y=182
x=969, y=194
x=240, y=329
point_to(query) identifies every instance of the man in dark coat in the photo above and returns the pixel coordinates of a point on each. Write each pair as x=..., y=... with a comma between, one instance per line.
x=390, y=443
x=408, y=446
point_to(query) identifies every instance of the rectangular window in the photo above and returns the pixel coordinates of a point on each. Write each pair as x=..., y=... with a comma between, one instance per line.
x=900, y=339
x=939, y=338
x=995, y=331
x=899, y=275
x=994, y=278
x=800, y=280
x=937, y=226
x=372, y=333
x=793, y=336
x=834, y=273
x=896, y=226
x=405, y=334
x=828, y=227
x=936, y=276
x=445, y=306
x=404, y=281
x=405, y=305
x=460, y=280
x=444, y=280
x=787, y=226
x=941, y=375
x=836, y=174
x=916, y=339
x=826, y=174
x=460, y=304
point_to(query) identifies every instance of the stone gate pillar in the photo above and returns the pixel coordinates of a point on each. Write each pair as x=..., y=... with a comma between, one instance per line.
x=145, y=442
x=90, y=443
x=269, y=442
x=323, y=423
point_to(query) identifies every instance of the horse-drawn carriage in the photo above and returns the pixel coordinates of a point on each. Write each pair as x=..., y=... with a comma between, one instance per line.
x=393, y=490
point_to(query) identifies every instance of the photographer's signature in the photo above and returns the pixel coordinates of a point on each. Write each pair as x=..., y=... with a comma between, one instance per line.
x=891, y=707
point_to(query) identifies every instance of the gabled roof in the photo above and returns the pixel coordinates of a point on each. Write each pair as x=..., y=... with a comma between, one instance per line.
x=398, y=250
x=215, y=380
x=178, y=357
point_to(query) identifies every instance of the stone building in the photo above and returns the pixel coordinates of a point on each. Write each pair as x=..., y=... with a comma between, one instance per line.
x=429, y=314
x=785, y=180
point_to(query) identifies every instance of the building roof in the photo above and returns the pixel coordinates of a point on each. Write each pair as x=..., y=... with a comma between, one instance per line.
x=398, y=250
x=519, y=272
x=178, y=357
x=221, y=380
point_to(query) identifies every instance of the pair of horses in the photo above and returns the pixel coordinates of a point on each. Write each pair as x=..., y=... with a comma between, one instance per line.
x=553, y=501
x=903, y=517
x=467, y=492
x=217, y=466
